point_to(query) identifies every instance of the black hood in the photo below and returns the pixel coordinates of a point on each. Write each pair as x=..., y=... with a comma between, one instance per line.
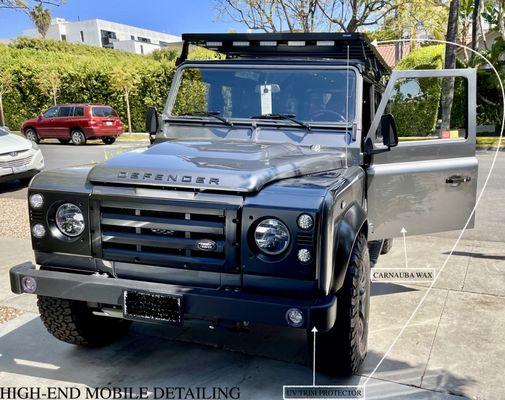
x=237, y=166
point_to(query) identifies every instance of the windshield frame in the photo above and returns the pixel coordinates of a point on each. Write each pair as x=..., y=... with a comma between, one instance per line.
x=172, y=96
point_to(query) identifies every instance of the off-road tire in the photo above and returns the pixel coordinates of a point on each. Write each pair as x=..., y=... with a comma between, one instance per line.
x=64, y=141
x=32, y=136
x=386, y=246
x=108, y=139
x=342, y=349
x=78, y=138
x=73, y=322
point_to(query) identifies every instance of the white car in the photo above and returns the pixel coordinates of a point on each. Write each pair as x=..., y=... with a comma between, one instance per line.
x=19, y=158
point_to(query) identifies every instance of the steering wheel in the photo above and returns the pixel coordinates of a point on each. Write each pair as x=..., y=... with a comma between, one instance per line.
x=332, y=116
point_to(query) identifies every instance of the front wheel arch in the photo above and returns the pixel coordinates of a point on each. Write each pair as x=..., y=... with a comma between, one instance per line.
x=352, y=224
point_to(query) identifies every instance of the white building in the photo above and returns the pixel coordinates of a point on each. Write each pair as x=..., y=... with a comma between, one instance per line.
x=101, y=33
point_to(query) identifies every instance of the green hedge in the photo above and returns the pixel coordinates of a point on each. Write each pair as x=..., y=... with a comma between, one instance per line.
x=84, y=72
x=417, y=116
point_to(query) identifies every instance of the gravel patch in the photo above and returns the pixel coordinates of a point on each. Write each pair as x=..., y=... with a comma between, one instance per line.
x=8, y=313
x=14, y=220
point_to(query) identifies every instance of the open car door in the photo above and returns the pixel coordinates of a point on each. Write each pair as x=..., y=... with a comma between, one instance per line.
x=427, y=184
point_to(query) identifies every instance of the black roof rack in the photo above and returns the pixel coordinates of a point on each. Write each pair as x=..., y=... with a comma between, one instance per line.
x=339, y=46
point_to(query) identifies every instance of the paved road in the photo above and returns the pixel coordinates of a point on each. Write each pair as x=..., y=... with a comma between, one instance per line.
x=57, y=155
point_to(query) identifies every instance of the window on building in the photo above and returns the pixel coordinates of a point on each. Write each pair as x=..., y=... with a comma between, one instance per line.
x=107, y=38
x=141, y=49
x=143, y=39
x=63, y=37
x=79, y=111
x=82, y=36
x=132, y=37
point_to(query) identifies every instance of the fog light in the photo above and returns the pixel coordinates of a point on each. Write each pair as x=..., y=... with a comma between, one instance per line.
x=294, y=317
x=38, y=231
x=36, y=200
x=28, y=284
x=305, y=222
x=304, y=255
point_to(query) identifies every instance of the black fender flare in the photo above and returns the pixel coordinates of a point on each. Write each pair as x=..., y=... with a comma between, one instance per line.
x=353, y=222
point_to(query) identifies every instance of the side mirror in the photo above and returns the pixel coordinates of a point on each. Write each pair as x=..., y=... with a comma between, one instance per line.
x=152, y=121
x=388, y=131
x=41, y=116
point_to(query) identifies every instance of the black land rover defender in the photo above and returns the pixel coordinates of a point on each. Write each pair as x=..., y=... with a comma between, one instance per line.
x=271, y=171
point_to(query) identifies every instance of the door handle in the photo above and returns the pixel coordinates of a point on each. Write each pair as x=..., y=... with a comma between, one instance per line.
x=457, y=180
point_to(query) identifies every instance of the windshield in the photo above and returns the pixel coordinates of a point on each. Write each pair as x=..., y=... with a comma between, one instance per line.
x=311, y=95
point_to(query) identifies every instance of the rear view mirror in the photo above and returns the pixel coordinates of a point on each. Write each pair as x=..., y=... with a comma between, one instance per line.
x=273, y=87
x=152, y=121
x=388, y=131
x=40, y=116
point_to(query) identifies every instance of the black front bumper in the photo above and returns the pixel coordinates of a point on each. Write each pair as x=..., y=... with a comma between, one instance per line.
x=197, y=302
x=21, y=175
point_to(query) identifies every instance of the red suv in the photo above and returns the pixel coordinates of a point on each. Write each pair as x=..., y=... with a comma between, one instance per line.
x=76, y=123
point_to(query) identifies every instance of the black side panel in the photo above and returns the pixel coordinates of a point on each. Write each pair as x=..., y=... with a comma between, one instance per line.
x=353, y=221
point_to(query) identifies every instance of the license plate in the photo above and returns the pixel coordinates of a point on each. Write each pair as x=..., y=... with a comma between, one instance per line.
x=153, y=307
x=17, y=170
x=108, y=123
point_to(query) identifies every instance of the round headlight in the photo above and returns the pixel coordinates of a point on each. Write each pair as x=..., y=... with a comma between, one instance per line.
x=304, y=255
x=305, y=222
x=36, y=200
x=38, y=231
x=70, y=220
x=272, y=236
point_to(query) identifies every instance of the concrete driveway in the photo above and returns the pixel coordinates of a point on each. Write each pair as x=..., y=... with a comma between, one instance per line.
x=453, y=347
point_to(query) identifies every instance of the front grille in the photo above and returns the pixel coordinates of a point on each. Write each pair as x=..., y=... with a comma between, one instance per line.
x=16, y=163
x=172, y=234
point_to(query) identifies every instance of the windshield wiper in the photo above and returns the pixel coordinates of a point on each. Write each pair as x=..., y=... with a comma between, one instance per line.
x=213, y=114
x=289, y=117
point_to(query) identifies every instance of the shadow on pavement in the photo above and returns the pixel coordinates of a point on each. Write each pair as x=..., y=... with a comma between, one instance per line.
x=476, y=255
x=149, y=356
x=14, y=185
x=383, y=288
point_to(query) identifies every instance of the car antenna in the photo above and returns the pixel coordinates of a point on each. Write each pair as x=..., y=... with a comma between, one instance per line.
x=346, y=105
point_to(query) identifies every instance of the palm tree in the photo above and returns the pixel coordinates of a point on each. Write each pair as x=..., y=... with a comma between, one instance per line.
x=475, y=18
x=450, y=63
x=41, y=17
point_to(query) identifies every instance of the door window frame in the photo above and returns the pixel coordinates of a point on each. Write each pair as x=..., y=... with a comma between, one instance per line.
x=471, y=76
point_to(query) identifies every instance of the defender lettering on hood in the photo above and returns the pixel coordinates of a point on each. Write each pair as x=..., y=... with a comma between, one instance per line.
x=218, y=165
x=149, y=176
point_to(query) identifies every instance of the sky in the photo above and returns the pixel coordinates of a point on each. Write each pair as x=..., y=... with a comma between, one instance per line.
x=169, y=16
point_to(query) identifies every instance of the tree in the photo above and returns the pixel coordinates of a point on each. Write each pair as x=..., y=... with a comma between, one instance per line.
x=413, y=18
x=41, y=17
x=125, y=79
x=26, y=5
x=475, y=22
x=5, y=86
x=49, y=82
x=450, y=63
x=327, y=15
